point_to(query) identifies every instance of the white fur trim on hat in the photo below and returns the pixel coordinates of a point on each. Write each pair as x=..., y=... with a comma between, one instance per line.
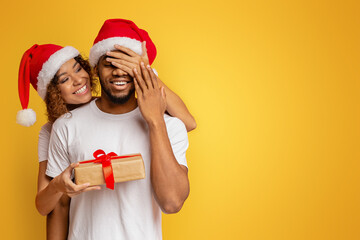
x=26, y=117
x=52, y=65
x=101, y=47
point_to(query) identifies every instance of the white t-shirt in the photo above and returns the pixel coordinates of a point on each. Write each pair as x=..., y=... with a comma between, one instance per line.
x=43, y=143
x=130, y=211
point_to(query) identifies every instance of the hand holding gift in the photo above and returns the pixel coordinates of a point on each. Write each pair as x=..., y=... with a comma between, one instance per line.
x=64, y=184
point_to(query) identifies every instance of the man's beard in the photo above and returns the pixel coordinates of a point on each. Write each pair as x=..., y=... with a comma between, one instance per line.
x=117, y=100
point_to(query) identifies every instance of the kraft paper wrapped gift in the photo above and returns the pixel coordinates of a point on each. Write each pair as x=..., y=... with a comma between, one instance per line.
x=124, y=168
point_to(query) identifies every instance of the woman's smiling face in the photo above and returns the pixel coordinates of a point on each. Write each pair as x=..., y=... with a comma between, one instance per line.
x=74, y=83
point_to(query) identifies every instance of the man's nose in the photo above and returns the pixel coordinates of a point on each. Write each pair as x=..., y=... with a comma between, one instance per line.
x=119, y=72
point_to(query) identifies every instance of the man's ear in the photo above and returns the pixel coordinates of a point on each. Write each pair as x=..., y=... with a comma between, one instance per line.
x=96, y=70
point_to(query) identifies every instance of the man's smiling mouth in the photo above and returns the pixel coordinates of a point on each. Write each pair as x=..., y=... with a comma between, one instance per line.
x=119, y=83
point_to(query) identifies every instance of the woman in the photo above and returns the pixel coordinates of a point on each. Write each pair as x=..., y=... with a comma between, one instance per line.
x=64, y=80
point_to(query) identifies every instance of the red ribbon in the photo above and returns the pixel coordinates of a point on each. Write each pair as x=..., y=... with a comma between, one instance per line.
x=105, y=160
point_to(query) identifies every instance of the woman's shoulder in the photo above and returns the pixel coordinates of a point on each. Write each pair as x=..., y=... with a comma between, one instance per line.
x=46, y=127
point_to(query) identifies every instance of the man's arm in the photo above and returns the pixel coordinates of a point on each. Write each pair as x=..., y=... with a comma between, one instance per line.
x=169, y=179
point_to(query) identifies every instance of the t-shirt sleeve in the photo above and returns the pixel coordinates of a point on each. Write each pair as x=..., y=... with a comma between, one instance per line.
x=58, y=158
x=43, y=143
x=178, y=139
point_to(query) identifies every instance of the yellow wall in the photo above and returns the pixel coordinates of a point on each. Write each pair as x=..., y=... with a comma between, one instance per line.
x=274, y=86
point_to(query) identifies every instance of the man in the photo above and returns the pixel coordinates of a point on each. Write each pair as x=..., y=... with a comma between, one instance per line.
x=118, y=122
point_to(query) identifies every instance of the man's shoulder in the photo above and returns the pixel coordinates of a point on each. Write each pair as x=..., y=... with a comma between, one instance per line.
x=82, y=109
x=71, y=117
x=172, y=121
x=174, y=124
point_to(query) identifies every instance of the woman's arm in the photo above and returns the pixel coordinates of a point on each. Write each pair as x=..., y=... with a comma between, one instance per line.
x=51, y=190
x=57, y=220
x=46, y=197
x=126, y=60
x=177, y=108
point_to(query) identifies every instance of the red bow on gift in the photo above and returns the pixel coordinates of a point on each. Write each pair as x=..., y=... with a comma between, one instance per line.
x=105, y=160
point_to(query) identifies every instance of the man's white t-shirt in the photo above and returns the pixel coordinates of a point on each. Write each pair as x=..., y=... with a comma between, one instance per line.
x=130, y=211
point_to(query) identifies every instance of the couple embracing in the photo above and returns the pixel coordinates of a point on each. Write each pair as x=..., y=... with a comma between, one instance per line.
x=155, y=124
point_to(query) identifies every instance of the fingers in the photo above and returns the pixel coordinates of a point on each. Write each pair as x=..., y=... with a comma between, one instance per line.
x=144, y=54
x=72, y=166
x=91, y=188
x=64, y=177
x=121, y=56
x=146, y=80
x=125, y=50
x=130, y=65
x=87, y=189
x=127, y=54
x=74, y=189
x=137, y=88
x=139, y=81
x=163, y=96
x=123, y=68
x=146, y=76
x=118, y=72
x=70, y=186
x=153, y=77
x=163, y=93
x=74, y=193
x=144, y=50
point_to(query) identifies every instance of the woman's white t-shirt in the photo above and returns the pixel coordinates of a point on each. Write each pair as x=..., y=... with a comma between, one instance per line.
x=43, y=143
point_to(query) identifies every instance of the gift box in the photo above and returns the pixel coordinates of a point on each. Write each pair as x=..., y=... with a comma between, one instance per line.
x=110, y=168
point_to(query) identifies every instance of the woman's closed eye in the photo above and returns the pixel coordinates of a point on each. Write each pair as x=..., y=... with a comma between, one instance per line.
x=63, y=80
x=78, y=69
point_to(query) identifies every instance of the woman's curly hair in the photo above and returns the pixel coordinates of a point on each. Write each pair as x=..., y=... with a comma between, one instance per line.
x=55, y=104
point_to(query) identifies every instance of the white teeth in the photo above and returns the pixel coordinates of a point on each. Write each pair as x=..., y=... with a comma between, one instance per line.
x=81, y=90
x=121, y=83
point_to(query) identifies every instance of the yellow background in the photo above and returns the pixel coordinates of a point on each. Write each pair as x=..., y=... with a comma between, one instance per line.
x=274, y=87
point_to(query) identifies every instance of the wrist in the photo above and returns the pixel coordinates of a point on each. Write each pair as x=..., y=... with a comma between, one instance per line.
x=156, y=122
x=53, y=185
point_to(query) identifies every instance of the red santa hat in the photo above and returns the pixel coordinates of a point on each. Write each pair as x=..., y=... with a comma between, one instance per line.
x=38, y=66
x=124, y=33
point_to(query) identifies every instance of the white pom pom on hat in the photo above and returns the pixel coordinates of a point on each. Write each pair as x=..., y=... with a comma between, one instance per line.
x=38, y=66
x=26, y=117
